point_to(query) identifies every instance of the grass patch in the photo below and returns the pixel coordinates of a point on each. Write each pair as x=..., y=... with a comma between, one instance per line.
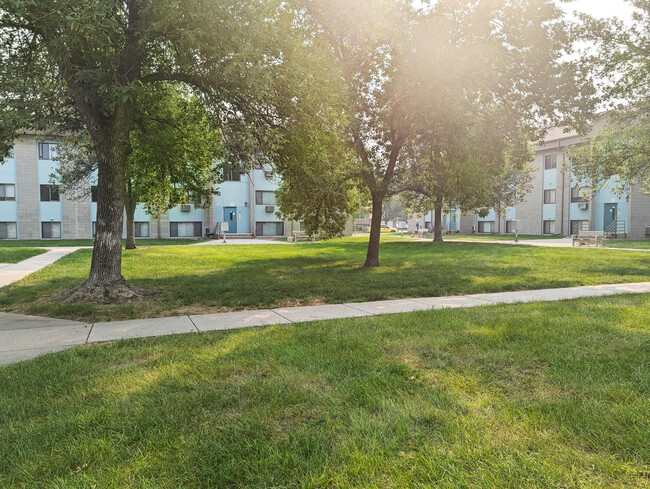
x=55, y=243
x=200, y=279
x=530, y=395
x=639, y=244
x=15, y=255
x=498, y=237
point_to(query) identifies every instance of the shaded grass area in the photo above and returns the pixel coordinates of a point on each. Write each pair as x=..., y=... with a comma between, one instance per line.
x=15, y=255
x=639, y=244
x=529, y=395
x=499, y=237
x=200, y=279
x=55, y=243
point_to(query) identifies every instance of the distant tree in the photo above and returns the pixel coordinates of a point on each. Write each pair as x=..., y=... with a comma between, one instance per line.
x=175, y=157
x=398, y=62
x=393, y=209
x=622, y=61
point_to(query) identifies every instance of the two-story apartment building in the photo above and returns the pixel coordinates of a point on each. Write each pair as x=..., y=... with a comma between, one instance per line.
x=32, y=205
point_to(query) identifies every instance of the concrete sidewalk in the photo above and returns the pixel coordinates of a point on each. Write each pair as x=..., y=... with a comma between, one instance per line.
x=16, y=271
x=26, y=337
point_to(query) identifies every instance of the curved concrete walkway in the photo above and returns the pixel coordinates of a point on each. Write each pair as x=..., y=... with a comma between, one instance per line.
x=26, y=337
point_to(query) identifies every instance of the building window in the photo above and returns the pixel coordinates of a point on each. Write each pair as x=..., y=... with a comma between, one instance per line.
x=549, y=196
x=578, y=194
x=550, y=162
x=50, y=230
x=264, y=198
x=231, y=174
x=8, y=230
x=549, y=227
x=50, y=193
x=486, y=227
x=94, y=192
x=269, y=229
x=46, y=151
x=579, y=225
x=142, y=230
x=7, y=191
x=510, y=225
x=185, y=229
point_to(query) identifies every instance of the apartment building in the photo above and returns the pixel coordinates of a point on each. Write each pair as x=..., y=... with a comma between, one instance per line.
x=560, y=204
x=32, y=205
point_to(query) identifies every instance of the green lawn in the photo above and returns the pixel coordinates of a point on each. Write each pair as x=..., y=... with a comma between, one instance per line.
x=498, y=237
x=14, y=255
x=202, y=279
x=639, y=244
x=55, y=243
x=550, y=395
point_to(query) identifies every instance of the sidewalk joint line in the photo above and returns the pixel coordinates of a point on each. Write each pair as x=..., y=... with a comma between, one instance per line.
x=283, y=317
x=361, y=310
x=90, y=331
x=193, y=323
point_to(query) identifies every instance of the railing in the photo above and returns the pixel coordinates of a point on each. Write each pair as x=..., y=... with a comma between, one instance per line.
x=581, y=226
x=616, y=229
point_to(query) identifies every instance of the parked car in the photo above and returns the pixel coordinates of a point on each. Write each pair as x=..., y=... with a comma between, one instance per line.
x=385, y=229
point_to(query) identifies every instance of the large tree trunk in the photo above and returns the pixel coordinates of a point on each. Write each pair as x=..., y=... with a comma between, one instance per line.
x=130, y=203
x=372, y=256
x=437, y=226
x=105, y=283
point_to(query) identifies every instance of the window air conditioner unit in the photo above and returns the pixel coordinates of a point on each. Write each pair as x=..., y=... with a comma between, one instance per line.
x=270, y=208
x=186, y=207
x=583, y=206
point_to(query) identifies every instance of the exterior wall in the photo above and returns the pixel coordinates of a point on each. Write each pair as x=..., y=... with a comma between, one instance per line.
x=638, y=215
x=27, y=191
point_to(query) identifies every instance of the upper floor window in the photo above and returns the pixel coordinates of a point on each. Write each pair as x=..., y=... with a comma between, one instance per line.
x=231, y=174
x=264, y=198
x=7, y=191
x=50, y=193
x=550, y=162
x=46, y=151
x=94, y=192
x=578, y=194
x=549, y=196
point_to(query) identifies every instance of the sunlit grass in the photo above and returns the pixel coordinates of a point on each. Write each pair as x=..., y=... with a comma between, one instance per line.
x=202, y=279
x=532, y=395
x=15, y=255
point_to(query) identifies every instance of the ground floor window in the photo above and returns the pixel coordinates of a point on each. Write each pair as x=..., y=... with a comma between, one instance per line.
x=8, y=230
x=510, y=227
x=50, y=229
x=269, y=229
x=142, y=230
x=185, y=229
x=579, y=225
x=549, y=227
x=486, y=227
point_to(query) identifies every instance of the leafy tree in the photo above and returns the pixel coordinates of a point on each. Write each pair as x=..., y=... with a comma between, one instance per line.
x=622, y=61
x=399, y=62
x=393, y=209
x=174, y=158
x=88, y=65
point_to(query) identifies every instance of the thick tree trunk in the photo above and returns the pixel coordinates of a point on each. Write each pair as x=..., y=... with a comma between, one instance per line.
x=105, y=283
x=372, y=256
x=130, y=203
x=437, y=226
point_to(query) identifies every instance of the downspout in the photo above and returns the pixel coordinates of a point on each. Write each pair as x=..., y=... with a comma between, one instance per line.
x=251, y=200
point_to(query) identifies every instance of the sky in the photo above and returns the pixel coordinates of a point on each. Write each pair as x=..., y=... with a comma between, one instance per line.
x=601, y=8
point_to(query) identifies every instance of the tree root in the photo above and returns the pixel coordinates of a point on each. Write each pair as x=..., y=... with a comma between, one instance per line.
x=116, y=292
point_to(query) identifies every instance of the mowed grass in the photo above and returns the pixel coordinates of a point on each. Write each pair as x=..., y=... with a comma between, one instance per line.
x=15, y=255
x=498, y=237
x=202, y=279
x=530, y=395
x=55, y=243
x=639, y=244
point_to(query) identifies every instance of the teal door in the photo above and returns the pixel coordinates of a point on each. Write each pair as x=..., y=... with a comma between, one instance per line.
x=611, y=212
x=230, y=216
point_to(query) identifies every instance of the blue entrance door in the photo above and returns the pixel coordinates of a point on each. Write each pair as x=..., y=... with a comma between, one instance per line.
x=230, y=216
x=610, y=215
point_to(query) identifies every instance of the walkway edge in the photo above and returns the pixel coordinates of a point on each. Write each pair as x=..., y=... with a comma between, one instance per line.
x=43, y=339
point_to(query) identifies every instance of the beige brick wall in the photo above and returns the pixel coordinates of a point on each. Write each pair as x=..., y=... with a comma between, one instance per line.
x=639, y=214
x=27, y=190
